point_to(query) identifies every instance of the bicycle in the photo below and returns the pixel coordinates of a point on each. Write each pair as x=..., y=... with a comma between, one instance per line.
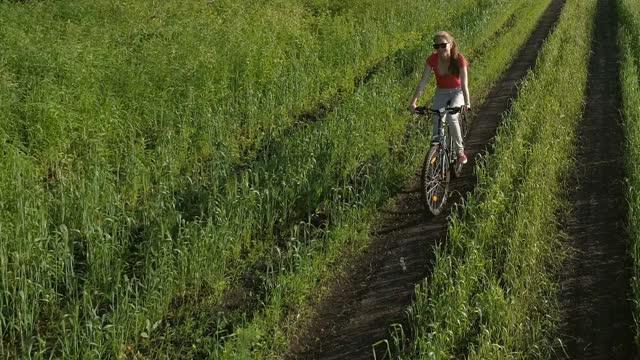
x=441, y=160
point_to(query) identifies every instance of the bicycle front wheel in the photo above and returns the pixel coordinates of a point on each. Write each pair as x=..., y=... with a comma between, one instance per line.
x=435, y=179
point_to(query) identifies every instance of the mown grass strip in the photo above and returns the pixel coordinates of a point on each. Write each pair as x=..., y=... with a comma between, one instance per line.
x=629, y=40
x=491, y=294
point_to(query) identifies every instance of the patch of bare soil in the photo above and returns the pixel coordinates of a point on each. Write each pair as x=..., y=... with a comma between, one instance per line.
x=595, y=281
x=378, y=287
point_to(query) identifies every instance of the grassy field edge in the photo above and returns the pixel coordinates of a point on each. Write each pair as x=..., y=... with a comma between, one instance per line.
x=628, y=39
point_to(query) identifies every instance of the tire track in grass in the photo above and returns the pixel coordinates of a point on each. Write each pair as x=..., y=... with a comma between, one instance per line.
x=376, y=291
x=594, y=293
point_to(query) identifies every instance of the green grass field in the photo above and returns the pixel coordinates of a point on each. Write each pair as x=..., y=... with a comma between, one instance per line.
x=159, y=154
x=182, y=179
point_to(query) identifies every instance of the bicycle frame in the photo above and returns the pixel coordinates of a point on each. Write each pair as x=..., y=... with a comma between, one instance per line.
x=444, y=138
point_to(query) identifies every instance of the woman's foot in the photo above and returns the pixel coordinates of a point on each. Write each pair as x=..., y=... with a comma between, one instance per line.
x=462, y=158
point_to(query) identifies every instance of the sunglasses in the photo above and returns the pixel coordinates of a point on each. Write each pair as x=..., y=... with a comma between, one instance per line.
x=440, y=46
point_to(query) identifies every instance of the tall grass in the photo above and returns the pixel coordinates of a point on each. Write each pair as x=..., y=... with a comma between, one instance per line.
x=629, y=38
x=125, y=129
x=491, y=294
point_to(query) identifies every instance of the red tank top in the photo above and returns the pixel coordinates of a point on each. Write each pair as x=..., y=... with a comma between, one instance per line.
x=446, y=81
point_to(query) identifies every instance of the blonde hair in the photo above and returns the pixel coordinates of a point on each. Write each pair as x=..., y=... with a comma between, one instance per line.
x=454, y=63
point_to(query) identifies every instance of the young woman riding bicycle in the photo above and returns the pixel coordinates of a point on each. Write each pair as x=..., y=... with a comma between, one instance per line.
x=450, y=68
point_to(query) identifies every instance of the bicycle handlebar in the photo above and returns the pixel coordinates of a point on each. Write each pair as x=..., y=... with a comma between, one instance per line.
x=423, y=110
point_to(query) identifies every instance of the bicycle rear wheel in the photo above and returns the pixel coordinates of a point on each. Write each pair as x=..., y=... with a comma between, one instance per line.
x=435, y=179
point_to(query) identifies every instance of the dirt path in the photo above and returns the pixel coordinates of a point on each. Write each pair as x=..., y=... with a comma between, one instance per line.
x=378, y=288
x=595, y=282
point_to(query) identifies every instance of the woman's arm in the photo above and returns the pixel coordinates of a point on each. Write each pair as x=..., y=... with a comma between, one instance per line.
x=425, y=80
x=464, y=79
